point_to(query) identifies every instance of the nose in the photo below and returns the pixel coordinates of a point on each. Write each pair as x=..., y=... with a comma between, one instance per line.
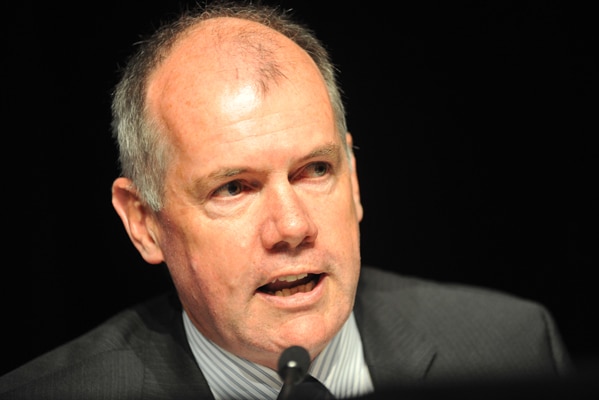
x=288, y=224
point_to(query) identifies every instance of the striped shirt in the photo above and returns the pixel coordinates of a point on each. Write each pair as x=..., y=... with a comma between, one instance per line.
x=340, y=367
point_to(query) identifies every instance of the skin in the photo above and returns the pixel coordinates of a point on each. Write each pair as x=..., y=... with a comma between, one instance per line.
x=260, y=187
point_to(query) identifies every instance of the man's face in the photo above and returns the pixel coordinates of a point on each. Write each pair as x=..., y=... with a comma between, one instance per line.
x=260, y=226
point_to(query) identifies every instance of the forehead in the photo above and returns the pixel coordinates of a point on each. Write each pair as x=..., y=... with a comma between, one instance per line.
x=227, y=70
x=231, y=81
x=226, y=50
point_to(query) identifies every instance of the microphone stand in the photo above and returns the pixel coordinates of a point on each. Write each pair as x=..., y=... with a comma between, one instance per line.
x=293, y=367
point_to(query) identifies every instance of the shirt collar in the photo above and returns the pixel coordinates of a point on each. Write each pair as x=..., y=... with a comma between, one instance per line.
x=340, y=367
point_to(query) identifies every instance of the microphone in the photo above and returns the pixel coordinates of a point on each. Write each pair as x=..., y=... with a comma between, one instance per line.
x=293, y=367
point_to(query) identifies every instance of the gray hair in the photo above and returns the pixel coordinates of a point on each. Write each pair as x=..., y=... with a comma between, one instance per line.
x=143, y=150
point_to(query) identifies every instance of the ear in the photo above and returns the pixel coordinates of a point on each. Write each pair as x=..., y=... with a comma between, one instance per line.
x=138, y=219
x=354, y=177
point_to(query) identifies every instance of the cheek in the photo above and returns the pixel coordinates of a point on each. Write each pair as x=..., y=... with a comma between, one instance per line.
x=213, y=296
x=208, y=255
x=342, y=216
x=198, y=270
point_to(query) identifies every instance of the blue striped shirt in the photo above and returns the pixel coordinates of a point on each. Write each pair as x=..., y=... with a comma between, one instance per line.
x=340, y=367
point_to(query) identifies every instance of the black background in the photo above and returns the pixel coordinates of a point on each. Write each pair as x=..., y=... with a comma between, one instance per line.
x=476, y=123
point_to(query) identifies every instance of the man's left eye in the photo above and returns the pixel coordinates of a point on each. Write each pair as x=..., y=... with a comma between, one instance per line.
x=317, y=169
x=229, y=189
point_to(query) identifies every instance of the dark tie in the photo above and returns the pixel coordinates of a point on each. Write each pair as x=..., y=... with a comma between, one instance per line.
x=309, y=388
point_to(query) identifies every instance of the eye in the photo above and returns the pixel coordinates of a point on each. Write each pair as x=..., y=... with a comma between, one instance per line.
x=316, y=169
x=229, y=189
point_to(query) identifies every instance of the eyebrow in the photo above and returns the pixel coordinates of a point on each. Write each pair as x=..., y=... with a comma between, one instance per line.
x=324, y=151
x=328, y=150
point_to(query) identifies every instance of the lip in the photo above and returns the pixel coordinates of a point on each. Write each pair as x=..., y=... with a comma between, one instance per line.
x=298, y=300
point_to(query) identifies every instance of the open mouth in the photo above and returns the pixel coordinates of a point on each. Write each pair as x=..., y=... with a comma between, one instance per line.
x=292, y=284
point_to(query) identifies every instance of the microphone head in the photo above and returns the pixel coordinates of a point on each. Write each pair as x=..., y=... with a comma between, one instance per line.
x=294, y=359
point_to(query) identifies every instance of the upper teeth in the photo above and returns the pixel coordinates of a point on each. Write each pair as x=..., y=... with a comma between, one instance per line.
x=290, y=278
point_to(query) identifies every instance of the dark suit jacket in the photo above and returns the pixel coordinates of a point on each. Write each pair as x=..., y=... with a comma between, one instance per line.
x=414, y=332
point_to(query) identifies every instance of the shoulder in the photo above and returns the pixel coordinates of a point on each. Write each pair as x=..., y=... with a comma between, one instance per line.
x=448, y=305
x=426, y=293
x=112, y=354
x=470, y=326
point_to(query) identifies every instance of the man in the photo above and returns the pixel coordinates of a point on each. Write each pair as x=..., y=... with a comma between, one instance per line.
x=238, y=174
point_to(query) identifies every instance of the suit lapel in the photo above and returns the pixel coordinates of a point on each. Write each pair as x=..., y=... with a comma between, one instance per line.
x=396, y=354
x=170, y=368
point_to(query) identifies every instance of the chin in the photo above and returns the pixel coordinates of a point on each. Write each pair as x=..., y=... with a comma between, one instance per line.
x=311, y=332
